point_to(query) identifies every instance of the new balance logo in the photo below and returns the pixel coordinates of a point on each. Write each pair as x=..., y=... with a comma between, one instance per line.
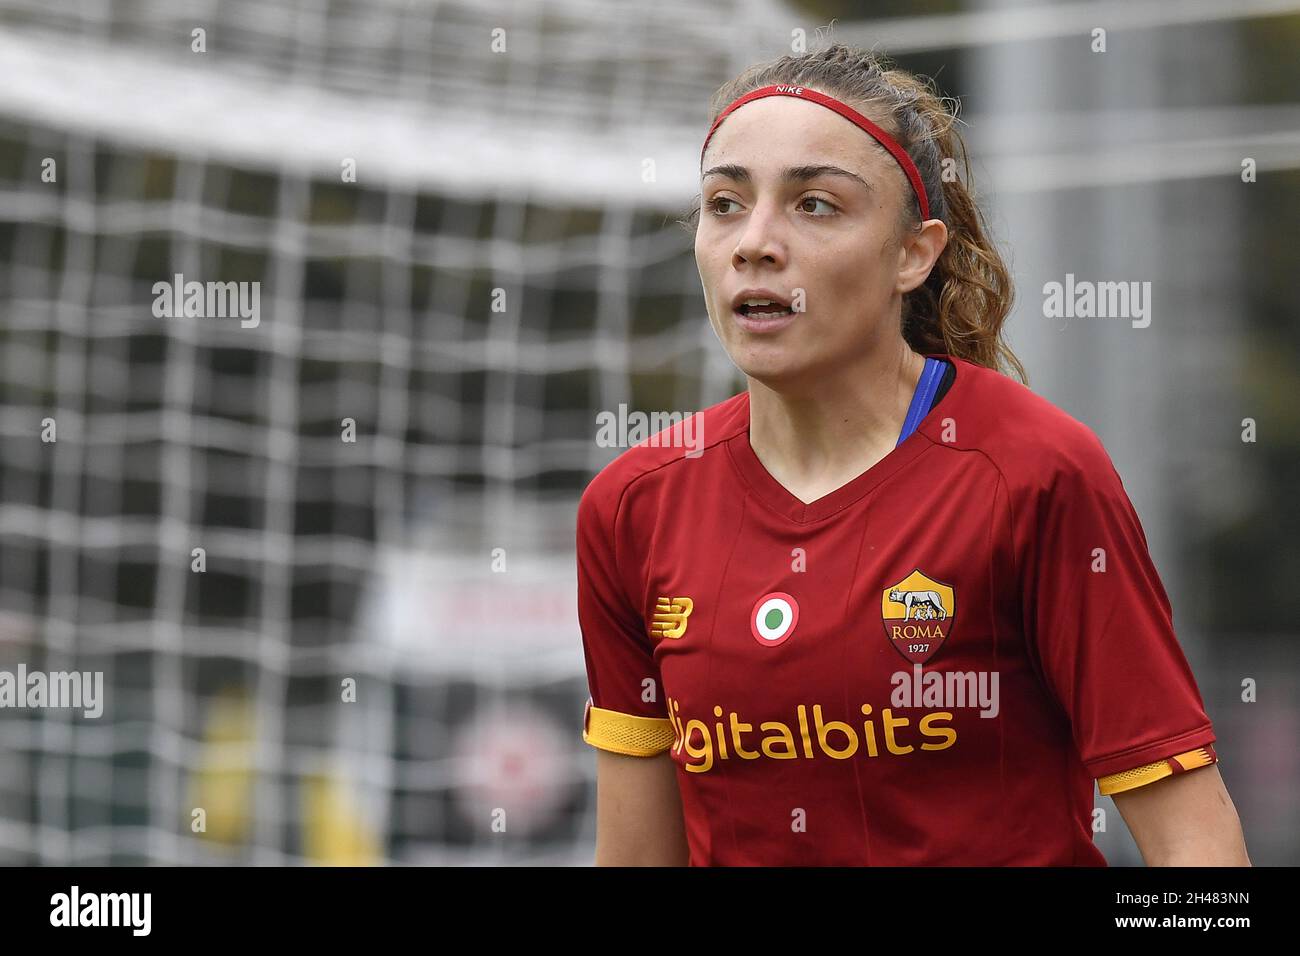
x=670, y=617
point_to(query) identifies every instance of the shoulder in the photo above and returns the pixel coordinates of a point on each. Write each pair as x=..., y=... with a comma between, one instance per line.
x=663, y=444
x=1034, y=444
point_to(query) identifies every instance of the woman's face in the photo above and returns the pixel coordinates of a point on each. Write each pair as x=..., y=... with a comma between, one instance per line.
x=798, y=201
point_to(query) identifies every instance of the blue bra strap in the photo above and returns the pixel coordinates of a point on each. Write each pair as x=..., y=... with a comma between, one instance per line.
x=931, y=376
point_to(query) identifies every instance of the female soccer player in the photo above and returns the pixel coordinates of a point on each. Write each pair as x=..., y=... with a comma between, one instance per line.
x=892, y=608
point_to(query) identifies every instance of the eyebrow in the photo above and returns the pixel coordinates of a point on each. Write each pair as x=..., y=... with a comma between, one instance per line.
x=791, y=174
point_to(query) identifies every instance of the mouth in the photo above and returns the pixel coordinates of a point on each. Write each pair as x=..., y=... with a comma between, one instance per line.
x=761, y=311
x=767, y=312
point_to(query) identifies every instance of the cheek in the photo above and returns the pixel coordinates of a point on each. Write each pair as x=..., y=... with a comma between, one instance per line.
x=850, y=279
x=713, y=274
x=707, y=262
x=856, y=290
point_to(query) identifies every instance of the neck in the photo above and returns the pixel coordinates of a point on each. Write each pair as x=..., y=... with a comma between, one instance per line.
x=835, y=427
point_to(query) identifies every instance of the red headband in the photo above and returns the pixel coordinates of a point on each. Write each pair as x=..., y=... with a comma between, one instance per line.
x=850, y=114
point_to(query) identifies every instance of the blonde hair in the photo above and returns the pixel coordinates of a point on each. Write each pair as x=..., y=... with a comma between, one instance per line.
x=961, y=307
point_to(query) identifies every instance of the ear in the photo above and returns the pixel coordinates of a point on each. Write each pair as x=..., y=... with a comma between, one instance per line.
x=918, y=253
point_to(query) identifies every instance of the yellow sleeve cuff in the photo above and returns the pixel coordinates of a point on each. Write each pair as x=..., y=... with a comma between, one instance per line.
x=1156, y=770
x=625, y=733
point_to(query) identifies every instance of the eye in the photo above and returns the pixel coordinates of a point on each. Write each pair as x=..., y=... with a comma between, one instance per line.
x=824, y=202
x=712, y=205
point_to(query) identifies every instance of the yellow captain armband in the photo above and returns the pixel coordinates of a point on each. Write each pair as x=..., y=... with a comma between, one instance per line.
x=1156, y=770
x=626, y=733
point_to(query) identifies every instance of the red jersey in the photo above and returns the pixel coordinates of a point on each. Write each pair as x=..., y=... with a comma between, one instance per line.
x=928, y=666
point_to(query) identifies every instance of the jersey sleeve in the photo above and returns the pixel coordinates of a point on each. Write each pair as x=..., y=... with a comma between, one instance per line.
x=625, y=712
x=1100, y=624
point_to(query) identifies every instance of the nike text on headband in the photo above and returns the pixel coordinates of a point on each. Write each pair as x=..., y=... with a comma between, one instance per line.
x=850, y=114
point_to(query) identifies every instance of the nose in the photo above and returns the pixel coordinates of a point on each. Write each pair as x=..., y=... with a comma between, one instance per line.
x=760, y=237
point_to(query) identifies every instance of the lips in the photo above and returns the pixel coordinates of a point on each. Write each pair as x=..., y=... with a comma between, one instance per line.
x=778, y=303
x=774, y=314
x=758, y=323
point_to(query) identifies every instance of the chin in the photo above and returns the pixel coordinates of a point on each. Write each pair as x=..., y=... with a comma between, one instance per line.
x=775, y=371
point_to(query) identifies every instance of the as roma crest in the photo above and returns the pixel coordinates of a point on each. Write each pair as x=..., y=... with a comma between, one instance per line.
x=918, y=614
